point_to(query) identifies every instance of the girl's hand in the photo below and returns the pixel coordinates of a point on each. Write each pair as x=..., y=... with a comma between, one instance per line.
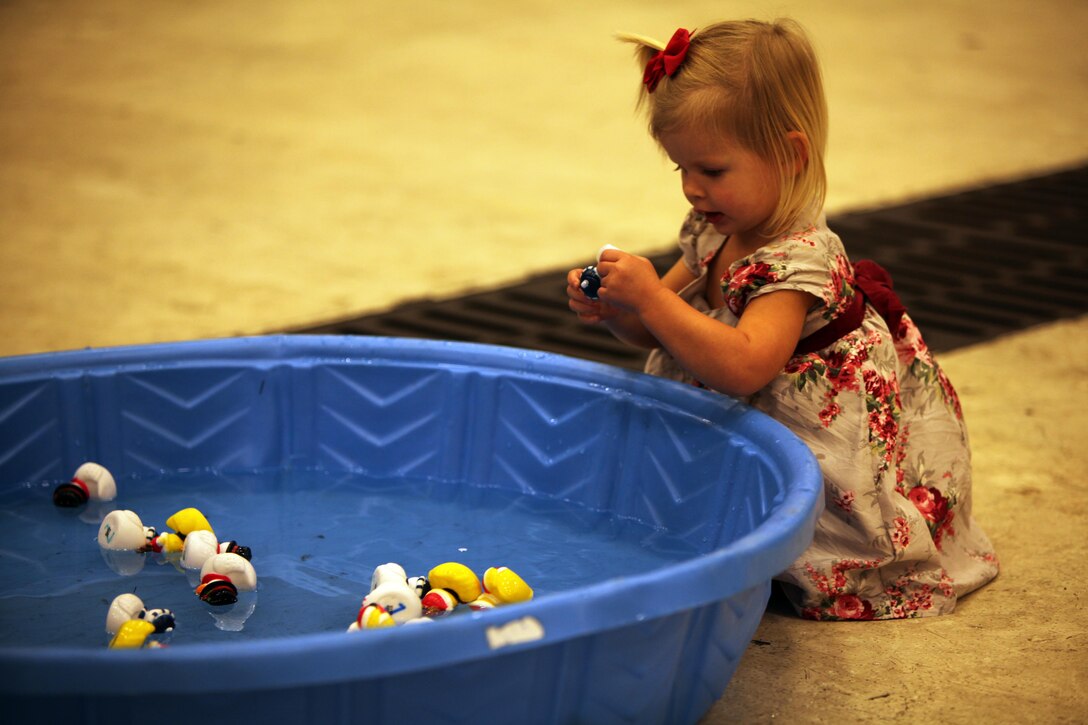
x=627, y=281
x=589, y=311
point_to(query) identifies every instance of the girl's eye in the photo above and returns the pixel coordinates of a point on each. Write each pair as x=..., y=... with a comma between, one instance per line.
x=710, y=173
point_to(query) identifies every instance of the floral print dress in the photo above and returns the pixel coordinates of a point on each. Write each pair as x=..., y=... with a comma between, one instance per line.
x=896, y=538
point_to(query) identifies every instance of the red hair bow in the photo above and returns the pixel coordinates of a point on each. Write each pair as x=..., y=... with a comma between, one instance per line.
x=667, y=62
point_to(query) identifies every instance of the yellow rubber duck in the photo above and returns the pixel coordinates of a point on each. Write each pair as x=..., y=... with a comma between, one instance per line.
x=506, y=586
x=133, y=634
x=456, y=578
x=183, y=523
x=374, y=616
x=451, y=584
x=484, y=601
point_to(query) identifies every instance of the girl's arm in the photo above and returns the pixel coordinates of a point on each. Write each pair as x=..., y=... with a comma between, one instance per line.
x=735, y=360
x=623, y=324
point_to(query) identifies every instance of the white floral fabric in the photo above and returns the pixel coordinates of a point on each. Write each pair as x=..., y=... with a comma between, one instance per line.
x=896, y=538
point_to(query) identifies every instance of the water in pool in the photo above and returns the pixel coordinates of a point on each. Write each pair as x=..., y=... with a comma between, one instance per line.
x=316, y=539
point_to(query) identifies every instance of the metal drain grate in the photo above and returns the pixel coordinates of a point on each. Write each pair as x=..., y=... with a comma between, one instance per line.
x=969, y=267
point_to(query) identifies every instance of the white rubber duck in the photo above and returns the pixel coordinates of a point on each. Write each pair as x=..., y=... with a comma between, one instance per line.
x=91, y=482
x=127, y=607
x=224, y=575
x=199, y=546
x=122, y=530
x=389, y=588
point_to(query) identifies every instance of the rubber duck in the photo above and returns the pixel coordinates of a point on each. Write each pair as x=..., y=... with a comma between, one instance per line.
x=590, y=280
x=501, y=586
x=224, y=575
x=198, y=547
x=506, y=586
x=451, y=584
x=201, y=544
x=438, y=602
x=372, y=616
x=127, y=607
x=91, y=482
x=389, y=588
x=134, y=634
x=122, y=530
x=183, y=523
x=233, y=547
x=420, y=585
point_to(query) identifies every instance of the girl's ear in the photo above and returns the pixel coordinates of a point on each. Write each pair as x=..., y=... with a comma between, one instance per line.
x=799, y=143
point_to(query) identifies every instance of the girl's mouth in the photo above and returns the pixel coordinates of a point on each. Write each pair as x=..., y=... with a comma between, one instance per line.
x=713, y=216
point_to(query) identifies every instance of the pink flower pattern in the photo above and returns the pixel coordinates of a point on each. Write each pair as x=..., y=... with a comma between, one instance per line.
x=862, y=404
x=845, y=502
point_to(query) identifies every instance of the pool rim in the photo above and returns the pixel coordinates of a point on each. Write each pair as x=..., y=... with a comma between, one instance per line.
x=335, y=656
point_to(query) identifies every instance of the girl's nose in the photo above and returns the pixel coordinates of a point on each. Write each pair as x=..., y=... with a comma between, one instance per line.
x=691, y=189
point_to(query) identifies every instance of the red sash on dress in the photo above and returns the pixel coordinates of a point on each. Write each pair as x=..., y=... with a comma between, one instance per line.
x=873, y=284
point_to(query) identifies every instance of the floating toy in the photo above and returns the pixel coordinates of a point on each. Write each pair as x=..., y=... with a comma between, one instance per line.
x=233, y=547
x=484, y=601
x=372, y=616
x=183, y=523
x=438, y=602
x=590, y=281
x=122, y=530
x=199, y=545
x=128, y=607
x=501, y=586
x=224, y=575
x=389, y=588
x=451, y=584
x=420, y=585
x=134, y=634
x=505, y=585
x=90, y=482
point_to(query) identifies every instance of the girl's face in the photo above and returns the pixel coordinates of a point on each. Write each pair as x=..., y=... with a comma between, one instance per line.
x=736, y=190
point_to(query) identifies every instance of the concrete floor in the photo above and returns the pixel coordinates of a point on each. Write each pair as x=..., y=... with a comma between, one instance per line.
x=174, y=171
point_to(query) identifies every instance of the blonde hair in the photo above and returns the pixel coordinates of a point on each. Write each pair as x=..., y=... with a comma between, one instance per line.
x=754, y=82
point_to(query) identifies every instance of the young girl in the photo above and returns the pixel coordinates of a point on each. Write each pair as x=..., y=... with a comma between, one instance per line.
x=764, y=304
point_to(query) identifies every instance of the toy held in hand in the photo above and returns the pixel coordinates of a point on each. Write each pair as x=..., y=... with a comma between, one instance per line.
x=590, y=281
x=91, y=482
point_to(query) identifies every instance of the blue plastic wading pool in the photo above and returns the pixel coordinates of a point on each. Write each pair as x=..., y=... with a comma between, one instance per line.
x=731, y=490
